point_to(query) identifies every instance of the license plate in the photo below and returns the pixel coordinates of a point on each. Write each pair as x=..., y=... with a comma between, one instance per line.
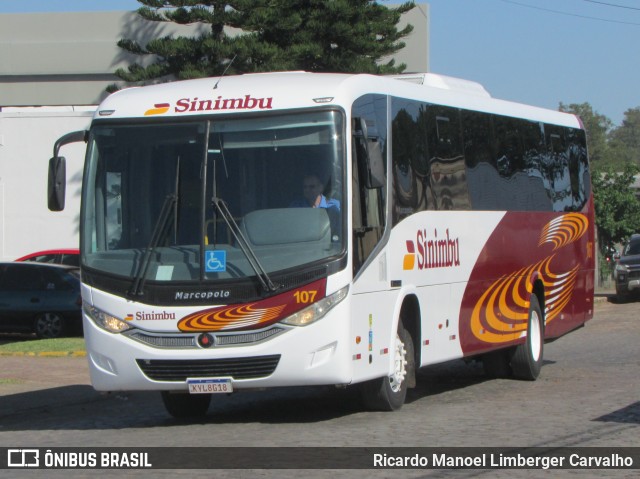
x=209, y=386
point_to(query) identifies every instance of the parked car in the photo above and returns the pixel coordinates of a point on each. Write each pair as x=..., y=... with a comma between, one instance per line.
x=57, y=256
x=627, y=272
x=41, y=298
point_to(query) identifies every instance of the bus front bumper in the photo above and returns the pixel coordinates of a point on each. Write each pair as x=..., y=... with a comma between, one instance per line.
x=317, y=354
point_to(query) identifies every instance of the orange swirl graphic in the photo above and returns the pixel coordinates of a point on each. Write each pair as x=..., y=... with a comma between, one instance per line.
x=237, y=317
x=564, y=230
x=501, y=313
x=559, y=293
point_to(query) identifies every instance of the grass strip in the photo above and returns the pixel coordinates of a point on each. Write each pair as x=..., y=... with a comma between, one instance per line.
x=44, y=347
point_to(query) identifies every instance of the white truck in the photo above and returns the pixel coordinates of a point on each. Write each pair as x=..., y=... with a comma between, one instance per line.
x=27, y=135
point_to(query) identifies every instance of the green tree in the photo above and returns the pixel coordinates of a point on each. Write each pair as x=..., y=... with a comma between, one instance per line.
x=625, y=140
x=313, y=35
x=617, y=208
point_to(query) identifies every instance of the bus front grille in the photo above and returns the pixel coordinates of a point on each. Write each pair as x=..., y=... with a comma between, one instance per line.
x=237, y=368
x=186, y=341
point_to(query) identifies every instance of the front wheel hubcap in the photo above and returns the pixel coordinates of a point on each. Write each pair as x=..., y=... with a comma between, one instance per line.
x=400, y=366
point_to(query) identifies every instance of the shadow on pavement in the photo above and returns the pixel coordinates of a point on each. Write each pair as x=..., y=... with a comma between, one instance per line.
x=626, y=415
x=80, y=407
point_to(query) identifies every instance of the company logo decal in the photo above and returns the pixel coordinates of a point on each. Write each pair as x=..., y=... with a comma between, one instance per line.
x=432, y=252
x=158, y=109
x=247, y=102
x=501, y=313
x=409, y=258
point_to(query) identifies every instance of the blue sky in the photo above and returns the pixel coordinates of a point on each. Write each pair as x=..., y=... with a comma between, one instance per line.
x=540, y=52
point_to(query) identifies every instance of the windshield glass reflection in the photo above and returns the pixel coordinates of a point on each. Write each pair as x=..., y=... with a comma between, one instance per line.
x=149, y=203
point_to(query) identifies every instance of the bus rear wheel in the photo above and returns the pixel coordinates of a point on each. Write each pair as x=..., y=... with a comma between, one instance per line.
x=186, y=406
x=527, y=357
x=389, y=393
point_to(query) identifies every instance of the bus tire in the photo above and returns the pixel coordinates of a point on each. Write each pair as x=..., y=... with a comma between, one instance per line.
x=185, y=406
x=528, y=356
x=389, y=393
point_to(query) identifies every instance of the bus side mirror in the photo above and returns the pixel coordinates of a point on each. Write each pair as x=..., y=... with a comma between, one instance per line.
x=57, y=183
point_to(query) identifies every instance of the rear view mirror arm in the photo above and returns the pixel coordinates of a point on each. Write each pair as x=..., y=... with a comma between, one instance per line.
x=73, y=137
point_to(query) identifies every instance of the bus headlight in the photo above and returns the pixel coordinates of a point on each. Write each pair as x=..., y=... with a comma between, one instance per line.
x=104, y=320
x=316, y=311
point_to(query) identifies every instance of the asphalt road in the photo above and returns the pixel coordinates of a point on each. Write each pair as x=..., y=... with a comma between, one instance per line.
x=588, y=395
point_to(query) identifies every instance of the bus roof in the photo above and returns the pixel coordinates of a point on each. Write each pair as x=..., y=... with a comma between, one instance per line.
x=289, y=90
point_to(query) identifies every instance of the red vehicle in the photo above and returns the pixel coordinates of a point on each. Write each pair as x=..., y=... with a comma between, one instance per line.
x=57, y=256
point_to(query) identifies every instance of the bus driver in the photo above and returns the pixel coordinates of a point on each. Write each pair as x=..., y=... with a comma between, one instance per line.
x=313, y=197
x=312, y=189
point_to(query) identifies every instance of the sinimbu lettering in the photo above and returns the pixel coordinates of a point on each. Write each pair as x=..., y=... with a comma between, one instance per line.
x=437, y=252
x=154, y=315
x=245, y=103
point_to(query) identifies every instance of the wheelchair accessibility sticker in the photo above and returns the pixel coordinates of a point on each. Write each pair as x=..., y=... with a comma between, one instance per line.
x=215, y=261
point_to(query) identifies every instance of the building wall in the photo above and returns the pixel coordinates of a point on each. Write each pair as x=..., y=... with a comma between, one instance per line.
x=69, y=58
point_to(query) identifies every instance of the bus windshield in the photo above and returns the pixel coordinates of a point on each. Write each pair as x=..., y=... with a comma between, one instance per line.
x=213, y=200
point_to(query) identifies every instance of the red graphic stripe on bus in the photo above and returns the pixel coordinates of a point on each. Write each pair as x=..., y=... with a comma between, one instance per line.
x=500, y=314
x=254, y=315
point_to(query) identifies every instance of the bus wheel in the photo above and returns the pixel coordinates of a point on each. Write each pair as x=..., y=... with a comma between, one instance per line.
x=184, y=406
x=527, y=357
x=389, y=393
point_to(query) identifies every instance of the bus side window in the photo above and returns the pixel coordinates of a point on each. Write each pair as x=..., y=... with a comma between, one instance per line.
x=578, y=167
x=368, y=204
x=558, y=168
x=477, y=130
x=410, y=170
x=446, y=159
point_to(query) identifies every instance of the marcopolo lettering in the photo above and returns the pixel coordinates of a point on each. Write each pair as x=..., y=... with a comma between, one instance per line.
x=186, y=295
x=245, y=103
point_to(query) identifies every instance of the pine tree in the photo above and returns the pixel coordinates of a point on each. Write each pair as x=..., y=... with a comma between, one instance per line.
x=311, y=35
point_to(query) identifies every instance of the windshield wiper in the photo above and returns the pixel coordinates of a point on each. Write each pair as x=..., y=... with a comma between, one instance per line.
x=159, y=232
x=261, y=273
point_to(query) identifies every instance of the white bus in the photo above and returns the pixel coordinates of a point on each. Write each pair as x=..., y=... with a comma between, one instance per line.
x=443, y=224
